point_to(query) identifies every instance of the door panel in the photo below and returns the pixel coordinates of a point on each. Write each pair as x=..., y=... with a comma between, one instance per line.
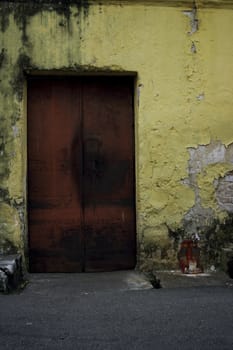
x=80, y=174
x=108, y=174
x=55, y=235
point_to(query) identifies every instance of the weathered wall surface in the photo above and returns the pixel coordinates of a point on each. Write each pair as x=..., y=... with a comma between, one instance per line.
x=183, y=57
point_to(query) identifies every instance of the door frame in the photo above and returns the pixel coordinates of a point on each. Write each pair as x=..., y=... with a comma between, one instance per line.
x=62, y=74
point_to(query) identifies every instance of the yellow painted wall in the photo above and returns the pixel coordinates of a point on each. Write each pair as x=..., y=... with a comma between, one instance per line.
x=183, y=57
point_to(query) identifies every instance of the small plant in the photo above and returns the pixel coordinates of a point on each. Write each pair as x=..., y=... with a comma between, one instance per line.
x=155, y=282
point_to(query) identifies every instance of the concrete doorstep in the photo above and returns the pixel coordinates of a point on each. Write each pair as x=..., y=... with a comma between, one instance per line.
x=10, y=272
x=11, y=278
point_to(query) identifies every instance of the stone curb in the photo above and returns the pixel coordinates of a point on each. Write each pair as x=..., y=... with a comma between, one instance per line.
x=10, y=272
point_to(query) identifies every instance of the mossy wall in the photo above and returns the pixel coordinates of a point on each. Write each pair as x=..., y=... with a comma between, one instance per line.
x=182, y=55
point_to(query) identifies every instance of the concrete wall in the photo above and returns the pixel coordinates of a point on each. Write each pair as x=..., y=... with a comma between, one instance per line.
x=183, y=55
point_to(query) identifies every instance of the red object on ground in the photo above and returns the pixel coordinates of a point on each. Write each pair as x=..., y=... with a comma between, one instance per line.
x=189, y=257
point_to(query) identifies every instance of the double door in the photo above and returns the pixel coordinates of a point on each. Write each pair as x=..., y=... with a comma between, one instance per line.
x=81, y=195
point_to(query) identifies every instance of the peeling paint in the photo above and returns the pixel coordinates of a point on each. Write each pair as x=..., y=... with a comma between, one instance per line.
x=224, y=192
x=209, y=175
x=193, y=47
x=200, y=97
x=194, y=22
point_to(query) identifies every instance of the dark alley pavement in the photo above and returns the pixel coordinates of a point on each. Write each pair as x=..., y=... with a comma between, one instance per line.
x=114, y=311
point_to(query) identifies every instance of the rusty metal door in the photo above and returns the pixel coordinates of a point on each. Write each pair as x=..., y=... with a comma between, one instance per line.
x=81, y=199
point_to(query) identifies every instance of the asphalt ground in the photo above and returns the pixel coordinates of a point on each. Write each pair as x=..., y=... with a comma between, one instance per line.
x=115, y=311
